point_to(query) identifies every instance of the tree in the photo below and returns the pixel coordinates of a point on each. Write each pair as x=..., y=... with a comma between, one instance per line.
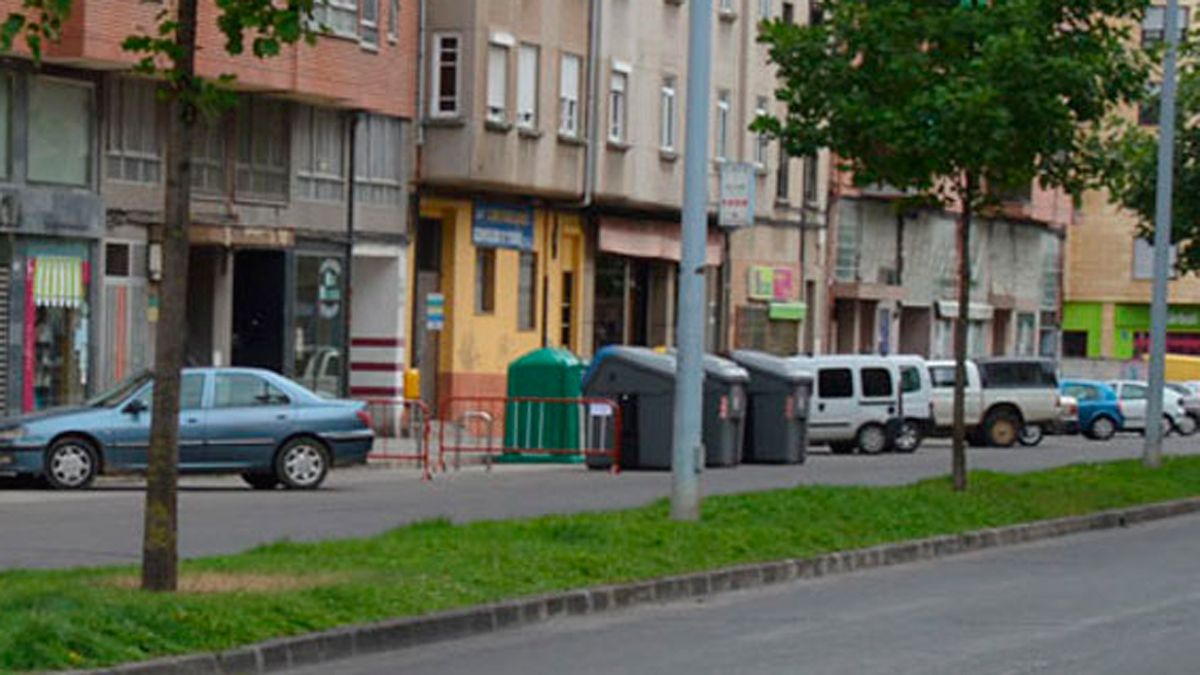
x=169, y=53
x=948, y=98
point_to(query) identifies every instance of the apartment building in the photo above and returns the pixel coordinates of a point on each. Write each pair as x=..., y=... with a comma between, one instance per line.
x=300, y=207
x=1109, y=269
x=551, y=180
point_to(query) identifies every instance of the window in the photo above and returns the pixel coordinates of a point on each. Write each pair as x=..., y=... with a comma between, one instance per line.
x=1074, y=344
x=722, y=144
x=320, y=166
x=816, y=13
x=761, y=142
x=393, y=20
x=446, y=55
x=527, y=291
x=1026, y=333
x=810, y=180
x=783, y=177
x=764, y=9
x=616, y=106
x=1143, y=260
x=942, y=376
x=528, y=65
x=116, y=260
x=134, y=146
x=666, y=134
x=1133, y=392
x=59, y=131
x=1083, y=392
x=337, y=16
x=725, y=6
x=1018, y=374
x=1148, y=110
x=262, y=149
x=568, y=96
x=835, y=383
x=497, y=83
x=1154, y=24
x=788, y=14
x=369, y=23
x=378, y=160
x=191, y=393
x=244, y=390
x=876, y=382
x=208, y=157
x=485, y=280
x=910, y=379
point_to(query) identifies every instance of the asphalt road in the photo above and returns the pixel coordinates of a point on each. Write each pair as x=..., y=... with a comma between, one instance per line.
x=39, y=528
x=1120, y=601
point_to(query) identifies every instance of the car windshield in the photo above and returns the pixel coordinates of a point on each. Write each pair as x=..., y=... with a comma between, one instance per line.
x=120, y=391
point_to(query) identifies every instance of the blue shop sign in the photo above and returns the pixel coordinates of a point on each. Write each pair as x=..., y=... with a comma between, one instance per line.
x=503, y=226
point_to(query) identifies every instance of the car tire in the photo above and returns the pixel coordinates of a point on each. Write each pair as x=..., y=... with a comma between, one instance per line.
x=908, y=437
x=1001, y=429
x=841, y=448
x=72, y=463
x=1185, y=426
x=871, y=439
x=1103, y=428
x=302, y=463
x=1031, y=435
x=261, y=481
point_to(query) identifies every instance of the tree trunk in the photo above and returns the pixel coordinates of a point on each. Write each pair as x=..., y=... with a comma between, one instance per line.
x=962, y=326
x=160, y=556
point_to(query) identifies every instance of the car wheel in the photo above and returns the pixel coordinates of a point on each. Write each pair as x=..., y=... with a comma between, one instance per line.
x=72, y=463
x=260, y=481
x=302, y=464
x=1185, y=425
x=1031, y=435
x=1102, y=429
x=1001, y=429
x=908, y=437
x=872, y=439
x=841, y=448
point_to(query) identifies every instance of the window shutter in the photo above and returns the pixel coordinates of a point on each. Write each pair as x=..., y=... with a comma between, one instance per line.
x=527, y=77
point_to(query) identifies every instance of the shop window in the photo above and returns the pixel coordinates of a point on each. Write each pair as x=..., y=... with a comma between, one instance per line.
x=133, y=150
x=56, y=352
x=319, y=326
x=485, y=281
x=378, y=166
x=262, y=149
x=320, y=170
x=527, y=291
x=59, y=131
x=245, y=390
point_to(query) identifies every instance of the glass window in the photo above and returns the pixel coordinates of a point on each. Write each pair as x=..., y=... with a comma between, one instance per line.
x=393, y=20
x=379, y=163
x=666, y=138
x=910, y=379
x=369, y=22
x=528, y=60
x=5, y=121
x=245, y=390
x=485, y=280
x=208, y=157
x=810, y=180
x=59, y=131
x=497, y=83
x=319, y=325
x=134, y=144
x=262, y=149
x=1133, y=392
x=761, y=142
x=876, y=382
x=320, y=166
x=568, y=95
x=783, y=178
x=527, y=291
x=1154, y=24
x=942, y=376
x=337, y=16
x=835, y=383
x=57, y=355
x=722, y=144
x=764, y=9
x=446, y=56
x=616, y=106
x=191, y=393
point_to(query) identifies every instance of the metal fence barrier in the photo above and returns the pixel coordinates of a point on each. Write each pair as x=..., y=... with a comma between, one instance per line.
x=403, y=429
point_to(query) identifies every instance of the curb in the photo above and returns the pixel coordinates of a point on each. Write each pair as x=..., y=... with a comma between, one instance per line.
x=396, y=634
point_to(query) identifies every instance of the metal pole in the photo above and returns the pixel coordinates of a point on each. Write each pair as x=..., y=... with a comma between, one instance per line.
x=1152, y=455
x=687, y=452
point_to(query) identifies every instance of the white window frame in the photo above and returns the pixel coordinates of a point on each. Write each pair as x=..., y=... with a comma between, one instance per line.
x=379, y=161
x=119, y=152
x=339, y=16
x=437, y=64
x=393, y=20
x=528, y=84
x=311, y=175
x=762, y=142
x=618, y=106
x=721, y=146
x=668, y=102
x=496, y=103
x=568, y=95
x=368, y=28
x=764, y=9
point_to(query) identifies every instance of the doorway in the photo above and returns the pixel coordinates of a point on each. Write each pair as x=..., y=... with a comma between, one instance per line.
x=259, y=280
x=428, y=282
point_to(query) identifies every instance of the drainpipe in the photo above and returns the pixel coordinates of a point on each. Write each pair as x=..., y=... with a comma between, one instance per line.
x=352, y=121
x=422, y=27
x=592, y=147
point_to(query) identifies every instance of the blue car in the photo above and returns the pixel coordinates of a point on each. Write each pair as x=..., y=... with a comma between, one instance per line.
x=232, y=420
x=1100, y=414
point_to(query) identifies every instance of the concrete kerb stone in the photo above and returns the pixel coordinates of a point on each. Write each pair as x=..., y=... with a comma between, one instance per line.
x=454, y=624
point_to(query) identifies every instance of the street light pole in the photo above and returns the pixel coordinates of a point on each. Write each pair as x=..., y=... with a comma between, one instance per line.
x=687, y=451
x=1152, y=455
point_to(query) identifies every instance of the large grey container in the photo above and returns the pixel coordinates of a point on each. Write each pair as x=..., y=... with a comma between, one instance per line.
x=642, y=382
x=777, y=410
x=724, y=411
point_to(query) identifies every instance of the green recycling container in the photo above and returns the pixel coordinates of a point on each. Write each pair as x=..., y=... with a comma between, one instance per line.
x=550, y=373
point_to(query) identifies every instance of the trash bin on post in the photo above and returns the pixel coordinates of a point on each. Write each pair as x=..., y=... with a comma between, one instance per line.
x=724, y=411
x=777, y=412
x=538, y=424
x=642, y=382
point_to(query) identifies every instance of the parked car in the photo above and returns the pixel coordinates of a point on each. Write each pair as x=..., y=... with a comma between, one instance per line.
x=1133, y=397
x=1066, y=424
x=916, y=403
x=1190, y=394
x=232, y=420
x=1006, y=397
x=856, y=402
x=1099, y=411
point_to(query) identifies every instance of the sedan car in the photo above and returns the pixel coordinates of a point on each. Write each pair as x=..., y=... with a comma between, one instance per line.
x=232, y=420
x=1099, y=413
x=1191, y=398
x=1133, y=399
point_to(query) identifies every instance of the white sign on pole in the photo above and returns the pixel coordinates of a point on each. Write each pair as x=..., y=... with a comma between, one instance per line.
x=737, y=195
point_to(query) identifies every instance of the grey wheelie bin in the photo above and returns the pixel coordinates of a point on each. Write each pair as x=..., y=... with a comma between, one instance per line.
x=642, y=382
x=724, y=411
x=777, y=412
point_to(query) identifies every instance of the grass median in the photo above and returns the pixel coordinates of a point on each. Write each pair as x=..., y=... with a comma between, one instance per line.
x=94, y=617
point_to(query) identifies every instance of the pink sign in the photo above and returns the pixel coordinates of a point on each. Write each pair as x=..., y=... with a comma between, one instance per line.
x=784, y=286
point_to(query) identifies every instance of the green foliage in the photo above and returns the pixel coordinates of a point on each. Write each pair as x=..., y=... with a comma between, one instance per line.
x=78, y=618
x=918, y=93
x=40, y=23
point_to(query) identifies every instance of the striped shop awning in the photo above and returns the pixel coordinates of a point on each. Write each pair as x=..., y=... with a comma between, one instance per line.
x=58, y=281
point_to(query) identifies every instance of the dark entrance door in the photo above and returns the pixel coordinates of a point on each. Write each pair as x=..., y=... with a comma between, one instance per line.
x=259, y=278
x=429, y=282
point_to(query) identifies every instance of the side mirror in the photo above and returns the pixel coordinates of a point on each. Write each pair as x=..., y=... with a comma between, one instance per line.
x=134, y=407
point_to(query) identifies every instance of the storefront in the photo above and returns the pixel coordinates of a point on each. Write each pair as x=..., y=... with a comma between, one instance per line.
x=1128, y=330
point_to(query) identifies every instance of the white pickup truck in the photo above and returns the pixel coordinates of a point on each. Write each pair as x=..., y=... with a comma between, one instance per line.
x=1004, y=398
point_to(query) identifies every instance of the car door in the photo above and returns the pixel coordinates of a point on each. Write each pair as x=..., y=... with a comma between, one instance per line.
x=128, y=437
x=248, y=417
x=1133, y=403
x=833, y=407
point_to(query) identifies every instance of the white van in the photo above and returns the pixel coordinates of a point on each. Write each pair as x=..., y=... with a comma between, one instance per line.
x=855, y=402
x=916, y=403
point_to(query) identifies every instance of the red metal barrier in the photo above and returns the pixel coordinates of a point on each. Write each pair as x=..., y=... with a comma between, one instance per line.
x=482, y=428
x=402, y=431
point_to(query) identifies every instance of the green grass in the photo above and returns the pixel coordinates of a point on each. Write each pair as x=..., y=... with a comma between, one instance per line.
x=79, y=618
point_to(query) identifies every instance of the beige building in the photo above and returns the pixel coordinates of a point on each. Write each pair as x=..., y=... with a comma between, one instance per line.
x=551, y=181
